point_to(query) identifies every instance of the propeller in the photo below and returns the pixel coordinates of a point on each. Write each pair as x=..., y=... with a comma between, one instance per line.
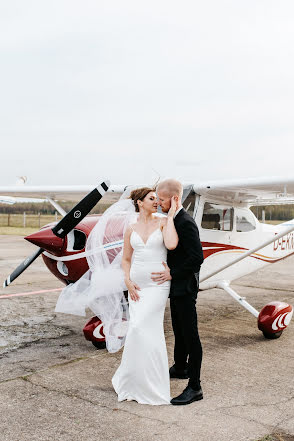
x=65, y=225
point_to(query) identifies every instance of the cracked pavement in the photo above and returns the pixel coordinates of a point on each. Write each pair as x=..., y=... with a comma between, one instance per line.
x=54, y=385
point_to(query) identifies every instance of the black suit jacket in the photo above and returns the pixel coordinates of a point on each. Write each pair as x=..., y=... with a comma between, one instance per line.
x=185, y=260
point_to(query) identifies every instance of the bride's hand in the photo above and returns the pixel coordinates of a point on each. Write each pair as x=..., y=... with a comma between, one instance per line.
x=173, y=207
x=133, y=288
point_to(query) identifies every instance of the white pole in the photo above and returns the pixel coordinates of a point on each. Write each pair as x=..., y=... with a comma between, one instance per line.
x=248, y=253
x=24, y=219
x=263, y=216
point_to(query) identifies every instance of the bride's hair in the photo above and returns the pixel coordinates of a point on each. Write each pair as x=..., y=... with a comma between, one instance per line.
x=139, y=195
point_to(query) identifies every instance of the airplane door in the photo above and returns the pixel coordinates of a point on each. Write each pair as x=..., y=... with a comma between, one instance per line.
x=216, y=221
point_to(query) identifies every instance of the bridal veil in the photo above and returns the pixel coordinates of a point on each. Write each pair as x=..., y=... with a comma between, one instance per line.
x=102, y=287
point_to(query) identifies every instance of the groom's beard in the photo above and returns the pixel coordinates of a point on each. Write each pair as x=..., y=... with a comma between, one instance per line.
x=163, y=210
x=160, y=210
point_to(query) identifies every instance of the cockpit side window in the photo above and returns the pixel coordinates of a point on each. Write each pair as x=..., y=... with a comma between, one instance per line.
x=217, y=217
x=245, y=220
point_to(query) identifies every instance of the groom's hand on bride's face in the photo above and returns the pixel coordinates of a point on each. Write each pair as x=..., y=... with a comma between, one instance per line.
x=173, y=206
x=162, y=276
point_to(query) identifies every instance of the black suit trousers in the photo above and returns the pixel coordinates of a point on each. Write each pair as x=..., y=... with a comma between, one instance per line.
x=188, y=349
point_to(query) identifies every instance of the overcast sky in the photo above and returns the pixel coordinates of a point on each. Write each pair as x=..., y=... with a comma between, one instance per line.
x=127, y=90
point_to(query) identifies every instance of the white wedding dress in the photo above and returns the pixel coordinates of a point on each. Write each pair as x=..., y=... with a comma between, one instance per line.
x=143, y=374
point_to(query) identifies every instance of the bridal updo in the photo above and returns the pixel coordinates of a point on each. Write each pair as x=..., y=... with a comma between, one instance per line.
x=139, y=195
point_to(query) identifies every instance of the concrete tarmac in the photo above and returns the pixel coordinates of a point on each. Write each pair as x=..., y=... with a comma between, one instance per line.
x=54, y=385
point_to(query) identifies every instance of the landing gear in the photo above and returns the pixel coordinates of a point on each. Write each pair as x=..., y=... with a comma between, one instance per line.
x=272, y=319
x=93, y=332
x=272, y=336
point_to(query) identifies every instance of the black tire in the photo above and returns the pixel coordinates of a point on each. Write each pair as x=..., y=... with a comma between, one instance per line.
x=273, y=336
x=99, y=344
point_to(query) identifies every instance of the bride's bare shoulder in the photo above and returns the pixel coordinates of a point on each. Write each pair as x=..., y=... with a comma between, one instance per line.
x=132, y=227
x=129, y=230
x=162, y=221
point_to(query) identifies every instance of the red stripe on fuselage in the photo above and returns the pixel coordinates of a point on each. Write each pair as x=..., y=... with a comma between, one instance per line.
x=218, y=247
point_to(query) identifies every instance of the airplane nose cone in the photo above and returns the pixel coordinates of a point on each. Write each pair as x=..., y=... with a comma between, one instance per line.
x=47, y=240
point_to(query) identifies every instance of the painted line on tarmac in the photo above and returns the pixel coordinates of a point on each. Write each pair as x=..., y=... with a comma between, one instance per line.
x=19, y=294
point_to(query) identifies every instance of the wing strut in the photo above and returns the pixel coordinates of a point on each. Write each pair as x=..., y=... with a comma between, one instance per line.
x=226, y=287
x=57, y=207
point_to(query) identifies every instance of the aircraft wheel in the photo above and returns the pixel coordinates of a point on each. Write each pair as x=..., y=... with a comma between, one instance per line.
x=99, y=344
x=272, y=336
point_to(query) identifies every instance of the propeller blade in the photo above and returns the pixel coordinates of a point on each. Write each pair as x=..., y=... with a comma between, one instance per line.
x=65, y=225
x=80, y=210
x=23, y=266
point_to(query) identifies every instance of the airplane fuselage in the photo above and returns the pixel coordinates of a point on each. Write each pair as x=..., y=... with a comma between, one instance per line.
x=226, y=232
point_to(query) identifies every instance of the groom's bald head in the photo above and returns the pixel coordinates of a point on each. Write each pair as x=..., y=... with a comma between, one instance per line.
x=166, y=190
x=172, y=187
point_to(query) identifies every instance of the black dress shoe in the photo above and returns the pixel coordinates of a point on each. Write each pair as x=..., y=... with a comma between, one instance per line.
x=188, y=396
x=174, y=373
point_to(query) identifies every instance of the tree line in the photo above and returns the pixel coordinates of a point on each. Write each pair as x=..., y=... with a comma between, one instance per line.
x=45, y=208
x=272, y=212
x=275, y=212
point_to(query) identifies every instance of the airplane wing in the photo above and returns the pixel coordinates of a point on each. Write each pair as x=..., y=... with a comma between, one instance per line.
x=7, y=200
x=252, y=191
x=58, y=192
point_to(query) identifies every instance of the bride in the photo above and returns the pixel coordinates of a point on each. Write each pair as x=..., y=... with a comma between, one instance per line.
x=143, y=374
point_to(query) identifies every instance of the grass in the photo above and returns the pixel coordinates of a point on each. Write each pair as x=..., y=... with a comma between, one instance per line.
x=16, y=228
x=17, y=231
x=274, y=222
x=32, y=220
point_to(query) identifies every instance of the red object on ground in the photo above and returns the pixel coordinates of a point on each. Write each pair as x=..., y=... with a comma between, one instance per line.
x=275, y=317
x=89, y=328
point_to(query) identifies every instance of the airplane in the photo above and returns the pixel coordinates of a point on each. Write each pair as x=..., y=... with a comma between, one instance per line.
x=7, y=200
x=10, y=200
x=234, y=242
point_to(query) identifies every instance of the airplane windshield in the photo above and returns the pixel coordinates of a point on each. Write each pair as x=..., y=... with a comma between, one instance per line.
x=188, y=200
x=217, y=217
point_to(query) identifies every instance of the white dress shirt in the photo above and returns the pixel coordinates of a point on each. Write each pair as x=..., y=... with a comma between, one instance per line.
x=178, y=210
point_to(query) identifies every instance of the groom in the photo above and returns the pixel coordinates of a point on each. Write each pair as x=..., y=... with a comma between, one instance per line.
x=183, y=266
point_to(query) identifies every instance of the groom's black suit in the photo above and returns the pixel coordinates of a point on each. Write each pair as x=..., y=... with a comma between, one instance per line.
x=184, y=263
